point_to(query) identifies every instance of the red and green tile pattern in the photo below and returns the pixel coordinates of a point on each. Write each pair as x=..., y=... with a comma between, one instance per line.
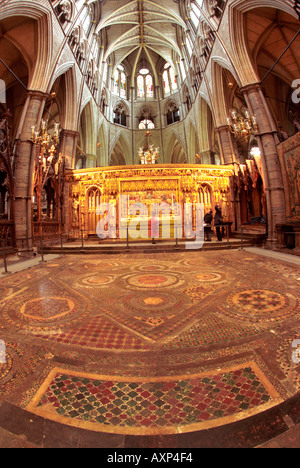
x=152, y=405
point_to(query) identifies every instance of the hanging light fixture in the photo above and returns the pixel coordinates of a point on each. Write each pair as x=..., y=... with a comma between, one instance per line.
x=46, y=144
x=149, y=154
x=242, y=125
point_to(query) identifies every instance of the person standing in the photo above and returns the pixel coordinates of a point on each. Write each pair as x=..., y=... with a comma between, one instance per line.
x=218, y=221
x=208, y=218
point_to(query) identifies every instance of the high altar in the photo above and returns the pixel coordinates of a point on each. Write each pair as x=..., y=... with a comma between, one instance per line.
x=171, y=186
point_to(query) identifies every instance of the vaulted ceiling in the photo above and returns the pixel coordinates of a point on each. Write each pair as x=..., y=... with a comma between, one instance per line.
x=141, y=29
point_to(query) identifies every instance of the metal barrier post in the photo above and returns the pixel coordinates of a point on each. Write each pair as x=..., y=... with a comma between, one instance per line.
x=61, y=244
x=242, y=239
x=176, y=234
x=42, y=249
x=4, y=256
x=82, y=239
x=128, y=237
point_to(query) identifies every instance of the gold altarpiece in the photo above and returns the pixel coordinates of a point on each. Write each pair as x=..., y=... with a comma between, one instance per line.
x=174, y=185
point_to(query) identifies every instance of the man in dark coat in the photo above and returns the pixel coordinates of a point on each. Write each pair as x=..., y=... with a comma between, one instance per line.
x=208, y=218
x=218, y=221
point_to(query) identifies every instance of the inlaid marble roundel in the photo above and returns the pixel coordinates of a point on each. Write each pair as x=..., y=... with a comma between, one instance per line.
x=261, y=305
x=152, y=280
x=47, y=308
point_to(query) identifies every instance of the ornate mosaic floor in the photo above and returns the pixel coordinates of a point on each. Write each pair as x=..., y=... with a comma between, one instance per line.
x=149, y=345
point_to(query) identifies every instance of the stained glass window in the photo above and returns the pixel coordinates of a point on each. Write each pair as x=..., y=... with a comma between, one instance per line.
x=167, y=88
x=149, y=86
x=116, y=82
x=119, y=86
x=183, y=72
x=146, y=125
x=140, y=86
x=173, y=80
x=123, y=85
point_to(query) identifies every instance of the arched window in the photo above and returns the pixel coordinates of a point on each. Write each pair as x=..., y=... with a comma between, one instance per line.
x=174, y=85
x=195, y=15
x=120, y=82
x=169, y=80
x=120, y=116
x=173, y=114
x=123, y=85
x=149, y=86
x=140, y=87
x=183, y=70
x=145, y=84
x=167, y=88
x=116, y=82
x=146, y=124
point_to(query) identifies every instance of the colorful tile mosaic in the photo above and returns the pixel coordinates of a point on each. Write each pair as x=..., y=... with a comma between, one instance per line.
x=181, y=336
x=98, y=333
x=211, y=330
x=46, y=306
x=262, y=305
x=107, y=404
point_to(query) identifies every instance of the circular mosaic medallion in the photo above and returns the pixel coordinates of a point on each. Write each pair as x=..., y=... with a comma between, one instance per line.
x=200, y=263
x=47, y=308
x=96, y=280
x=152, y=280
x=101, y=265
x=45, y=313
x=151, y=268
x=154, y=303
x=208, y=277
x=262, y=305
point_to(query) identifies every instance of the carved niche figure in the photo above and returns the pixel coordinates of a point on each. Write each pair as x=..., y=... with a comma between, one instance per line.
x=75, y=211
x=293, y=170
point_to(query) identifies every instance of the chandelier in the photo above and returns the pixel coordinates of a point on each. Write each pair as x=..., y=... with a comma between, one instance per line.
x=46, y=150
x=149, y=154
x=242, y=125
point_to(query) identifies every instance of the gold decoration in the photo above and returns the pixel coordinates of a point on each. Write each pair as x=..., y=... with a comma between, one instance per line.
x=242, y=125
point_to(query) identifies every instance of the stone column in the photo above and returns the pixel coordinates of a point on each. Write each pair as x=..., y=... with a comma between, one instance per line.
x=24, y=165
x=162, y=150
x=69, y=146
x=268, y=140
x=132, y=91
x=91, y=161
x=226, y=145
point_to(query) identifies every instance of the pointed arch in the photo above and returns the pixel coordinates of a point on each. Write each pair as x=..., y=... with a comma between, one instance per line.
x=102, y=156
x=40, y=72
x=240, y=53
x=218, y=89
x=120, y=152
x=176, y=152
x=66, y=74
x=87, y=135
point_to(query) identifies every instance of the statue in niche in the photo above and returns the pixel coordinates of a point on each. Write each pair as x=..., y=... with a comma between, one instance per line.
x=225, y=207
x=75, y=211
x=293, y=169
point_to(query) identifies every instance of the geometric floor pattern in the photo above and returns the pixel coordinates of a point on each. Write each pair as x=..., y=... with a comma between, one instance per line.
x=150, y=344
x=170, y=404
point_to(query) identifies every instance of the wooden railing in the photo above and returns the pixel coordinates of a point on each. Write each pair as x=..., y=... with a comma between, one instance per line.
x=7, y=232
x=46, y=229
